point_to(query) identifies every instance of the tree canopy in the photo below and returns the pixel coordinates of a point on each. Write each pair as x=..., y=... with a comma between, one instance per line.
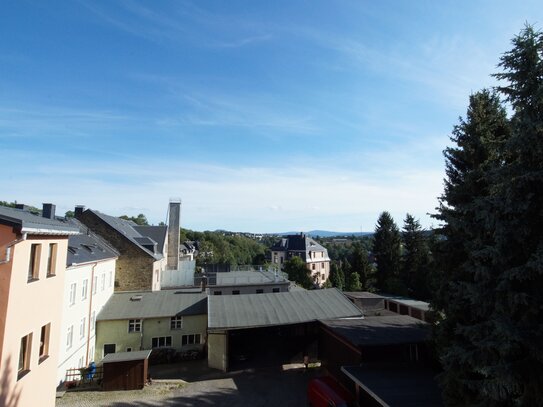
x=489, y=329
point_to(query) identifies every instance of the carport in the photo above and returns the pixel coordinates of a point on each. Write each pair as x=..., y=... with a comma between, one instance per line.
x=269, y=328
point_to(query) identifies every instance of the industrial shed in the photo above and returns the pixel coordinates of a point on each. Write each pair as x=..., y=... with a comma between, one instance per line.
x=272, y=327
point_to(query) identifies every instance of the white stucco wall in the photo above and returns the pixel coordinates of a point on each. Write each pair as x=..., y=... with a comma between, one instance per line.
x=81, y=352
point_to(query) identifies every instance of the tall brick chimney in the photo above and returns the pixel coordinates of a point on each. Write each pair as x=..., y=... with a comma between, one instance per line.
x=174, y=222
x=48, y=211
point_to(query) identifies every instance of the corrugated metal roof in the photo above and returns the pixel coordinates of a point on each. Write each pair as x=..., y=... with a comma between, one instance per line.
x=126, y=356
x=153, y=304
x=254, y=310
x=249, y=278
x=381, y=330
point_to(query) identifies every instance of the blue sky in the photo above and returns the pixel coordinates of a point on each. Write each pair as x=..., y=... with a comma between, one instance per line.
x=260, y=116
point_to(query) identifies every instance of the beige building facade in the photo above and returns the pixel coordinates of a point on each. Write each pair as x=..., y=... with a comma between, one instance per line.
x=32, y=270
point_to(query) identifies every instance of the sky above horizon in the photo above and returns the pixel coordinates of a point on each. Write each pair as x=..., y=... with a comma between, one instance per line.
x=261, y=116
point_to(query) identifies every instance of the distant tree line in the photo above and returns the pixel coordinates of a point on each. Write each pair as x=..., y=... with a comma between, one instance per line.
x=392, y=261
x=219, y=248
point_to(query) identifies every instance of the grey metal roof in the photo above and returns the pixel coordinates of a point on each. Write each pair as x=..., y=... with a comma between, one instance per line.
x=423, y=306
x=127, y=229
x=256, y=310
x=361, y=294
x=381, y=330
x=153, y=304
x=126, y=356
x=233, y=278
x=402, y=385
x=27, y=222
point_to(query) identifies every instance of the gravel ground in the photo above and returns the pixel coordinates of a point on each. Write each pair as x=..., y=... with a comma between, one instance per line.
x=256, y=388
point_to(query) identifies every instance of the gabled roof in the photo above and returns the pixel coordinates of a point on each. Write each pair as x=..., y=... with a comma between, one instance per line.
x=87, y=246
x=27, y=222
x=301, y=245
x=258, y=310
x=153, y=304
x=129, y=230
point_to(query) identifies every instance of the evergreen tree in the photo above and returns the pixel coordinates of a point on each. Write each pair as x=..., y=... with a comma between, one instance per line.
x=362, y=266
x=464, y=297
x=335, y=277
x=515, y=376
x=354, y=282
x=415, y=259
x=386, y=249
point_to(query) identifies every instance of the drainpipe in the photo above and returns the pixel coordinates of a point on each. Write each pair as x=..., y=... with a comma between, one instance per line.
x=90, y=313
x=9, y=246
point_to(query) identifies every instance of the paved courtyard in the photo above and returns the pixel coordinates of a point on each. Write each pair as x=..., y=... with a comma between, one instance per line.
x=196, y=385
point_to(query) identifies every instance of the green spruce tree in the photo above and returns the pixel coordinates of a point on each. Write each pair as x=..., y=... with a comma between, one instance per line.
x=361, y=266
x=415, y=259
x=386, y=249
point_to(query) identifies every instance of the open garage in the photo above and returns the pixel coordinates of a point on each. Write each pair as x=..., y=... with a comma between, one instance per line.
x=269, y=329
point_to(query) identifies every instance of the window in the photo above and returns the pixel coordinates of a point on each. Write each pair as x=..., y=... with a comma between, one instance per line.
x=176, y=322
x=34, y=263
x=84, y=288
x=44, y=342
x=70, y=337
x=235, y=292
x=73, y=288
x=134, y=325
x=111, y=278
x=276, y=290
x=82, y=327
x=51, y=259
x=24, y=355
x=129, y=349
x=161, y=342
x=281, y=259
x=103, y=281
x=94, y=285
x=81, y=362
x=313, y=266
x=323, y=265
x=93, y=321
x=109, y=348
x=190, y=339
x=91, y=354
x=260, y=291
x=217, y=292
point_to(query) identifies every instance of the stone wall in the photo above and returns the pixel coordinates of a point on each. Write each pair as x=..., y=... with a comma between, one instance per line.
x=134, y=268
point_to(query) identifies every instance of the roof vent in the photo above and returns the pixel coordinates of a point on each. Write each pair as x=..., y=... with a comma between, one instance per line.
x=136, y=298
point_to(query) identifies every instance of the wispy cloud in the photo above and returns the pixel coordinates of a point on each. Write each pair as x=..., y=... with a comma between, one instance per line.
x=276, y=199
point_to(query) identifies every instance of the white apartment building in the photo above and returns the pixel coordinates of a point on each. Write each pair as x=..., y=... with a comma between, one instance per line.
x=89, y=283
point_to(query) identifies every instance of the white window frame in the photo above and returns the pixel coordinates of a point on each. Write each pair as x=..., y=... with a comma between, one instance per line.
x=161, y=342
x=176, y=323
x=134, y=325
x=82, y=328
x=191, y=339
x=84, y=289
x=70, y=337
x=103, y=282
x=95, y=285
x=73, y=290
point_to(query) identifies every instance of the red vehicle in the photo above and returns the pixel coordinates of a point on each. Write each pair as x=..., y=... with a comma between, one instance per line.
x=326, y=392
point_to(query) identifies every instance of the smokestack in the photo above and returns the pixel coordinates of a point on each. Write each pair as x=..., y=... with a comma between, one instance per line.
x=174, y=222
x=78, y=211
x=48, y=211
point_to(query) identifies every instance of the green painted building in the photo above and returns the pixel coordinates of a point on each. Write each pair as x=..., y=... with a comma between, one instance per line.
x=133, y=321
